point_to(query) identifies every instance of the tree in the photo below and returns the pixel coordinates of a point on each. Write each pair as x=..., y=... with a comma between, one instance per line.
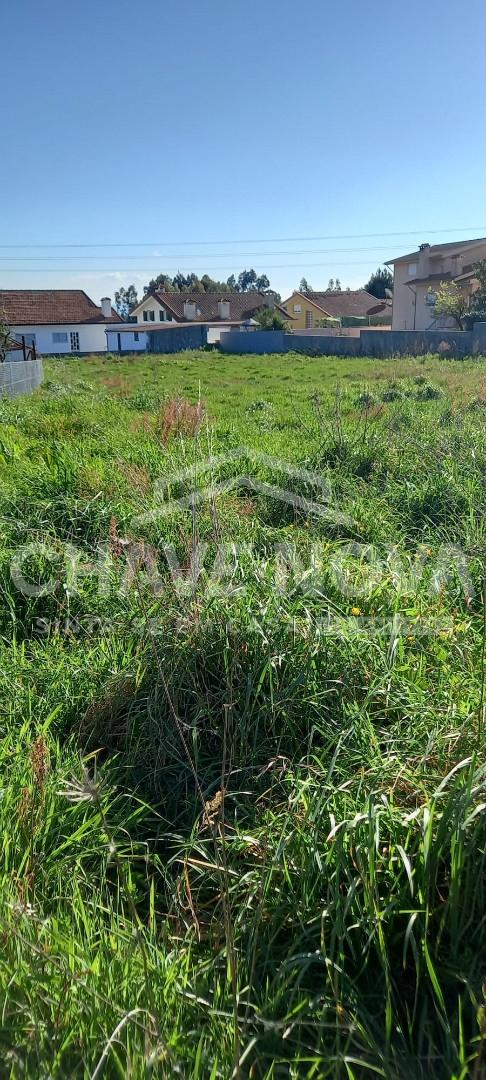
x=270, y=319
x=126, y=300
x=162, y=282
x=211, y=286
x=304, y=286
x=334, y=286
x=185, y=283
x=379, y=282
x=451, y=301
x=477, y=304
x=246, y=281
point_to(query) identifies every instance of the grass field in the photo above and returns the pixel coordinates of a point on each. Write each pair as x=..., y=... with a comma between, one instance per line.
x=243, y=784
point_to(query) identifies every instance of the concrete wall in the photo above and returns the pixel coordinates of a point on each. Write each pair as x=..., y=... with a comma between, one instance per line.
x=323, y=345
x=21, y=377
x=257, y=341
x=332, y=331
x=177, y=338
x=415, y=343
x=92, y=338
x=478, y=345
x=453, y=343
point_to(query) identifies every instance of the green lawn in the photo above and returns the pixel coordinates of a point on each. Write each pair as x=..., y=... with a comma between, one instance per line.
x=243, y=786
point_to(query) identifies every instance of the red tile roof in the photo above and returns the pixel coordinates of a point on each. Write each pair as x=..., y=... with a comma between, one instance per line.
x=341, y=304
x=242, y=305
x=50, y=307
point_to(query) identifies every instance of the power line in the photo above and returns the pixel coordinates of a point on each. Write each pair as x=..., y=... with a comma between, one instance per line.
x=257, y=240
x=211, y=255
x=149, y=269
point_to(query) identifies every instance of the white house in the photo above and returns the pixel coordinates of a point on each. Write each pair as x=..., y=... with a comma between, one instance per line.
x=57, y=321
x=226, y=311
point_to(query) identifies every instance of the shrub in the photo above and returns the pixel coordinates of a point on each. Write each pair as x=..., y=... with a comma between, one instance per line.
x=428, y=392
x=179, y=417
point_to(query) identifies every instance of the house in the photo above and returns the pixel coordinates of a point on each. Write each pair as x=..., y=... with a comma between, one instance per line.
x=229, y=311
x=308, y=309
x=417, y=275
x=162, y=337
x=57, y=321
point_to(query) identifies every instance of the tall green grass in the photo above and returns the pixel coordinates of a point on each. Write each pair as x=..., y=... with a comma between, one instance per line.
x=243, y=825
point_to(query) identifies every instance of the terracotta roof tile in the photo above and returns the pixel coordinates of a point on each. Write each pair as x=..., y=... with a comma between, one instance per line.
x=242, y=305
x=341, y=304
x=50, y=307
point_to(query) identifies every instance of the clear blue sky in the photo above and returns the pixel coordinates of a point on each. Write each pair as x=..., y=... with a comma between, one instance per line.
x=172, y=123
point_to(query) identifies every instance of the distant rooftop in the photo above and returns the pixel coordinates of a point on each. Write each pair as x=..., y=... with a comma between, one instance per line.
x=51, y=307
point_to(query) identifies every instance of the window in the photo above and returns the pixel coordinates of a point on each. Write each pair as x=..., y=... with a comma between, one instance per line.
x=74, y=336
x=152, y=316
x=28, y=338
x=161, y=315
x=297, y=308
x=145, y=316
x=412, y=269
x=309, y=320
x=135, y=336
x=60, y=338
x=168, y=316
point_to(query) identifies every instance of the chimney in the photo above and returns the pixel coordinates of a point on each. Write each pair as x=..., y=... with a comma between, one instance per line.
x=223, y=309
x=189, y=310
x=269, y=299
x=106, y=307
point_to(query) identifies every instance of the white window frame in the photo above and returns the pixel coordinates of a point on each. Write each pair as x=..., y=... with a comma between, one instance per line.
x=60, y=337
x=145, y=315
x=161, y=314
x=297, y=308
x=74, y=340
x=412, y=269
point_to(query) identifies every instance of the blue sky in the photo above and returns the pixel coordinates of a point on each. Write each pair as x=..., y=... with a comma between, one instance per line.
x=210, y=135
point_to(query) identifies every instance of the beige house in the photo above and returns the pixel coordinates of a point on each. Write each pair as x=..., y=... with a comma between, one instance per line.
x=417, y=276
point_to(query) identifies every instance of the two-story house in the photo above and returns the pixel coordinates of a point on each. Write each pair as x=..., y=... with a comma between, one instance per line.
x=418, y=274
x=217, y=311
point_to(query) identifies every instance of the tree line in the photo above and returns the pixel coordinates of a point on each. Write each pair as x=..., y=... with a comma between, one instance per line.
x=247, y=281
x=126, y=299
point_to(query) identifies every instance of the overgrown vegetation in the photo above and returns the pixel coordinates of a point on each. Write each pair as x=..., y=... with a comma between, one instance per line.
x=242, y=731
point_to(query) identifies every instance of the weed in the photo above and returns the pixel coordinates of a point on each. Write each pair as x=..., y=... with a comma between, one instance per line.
x=179, y=417
x=242, y=808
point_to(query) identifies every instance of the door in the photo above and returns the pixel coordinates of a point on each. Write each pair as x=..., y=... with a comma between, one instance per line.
x=74, y=337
